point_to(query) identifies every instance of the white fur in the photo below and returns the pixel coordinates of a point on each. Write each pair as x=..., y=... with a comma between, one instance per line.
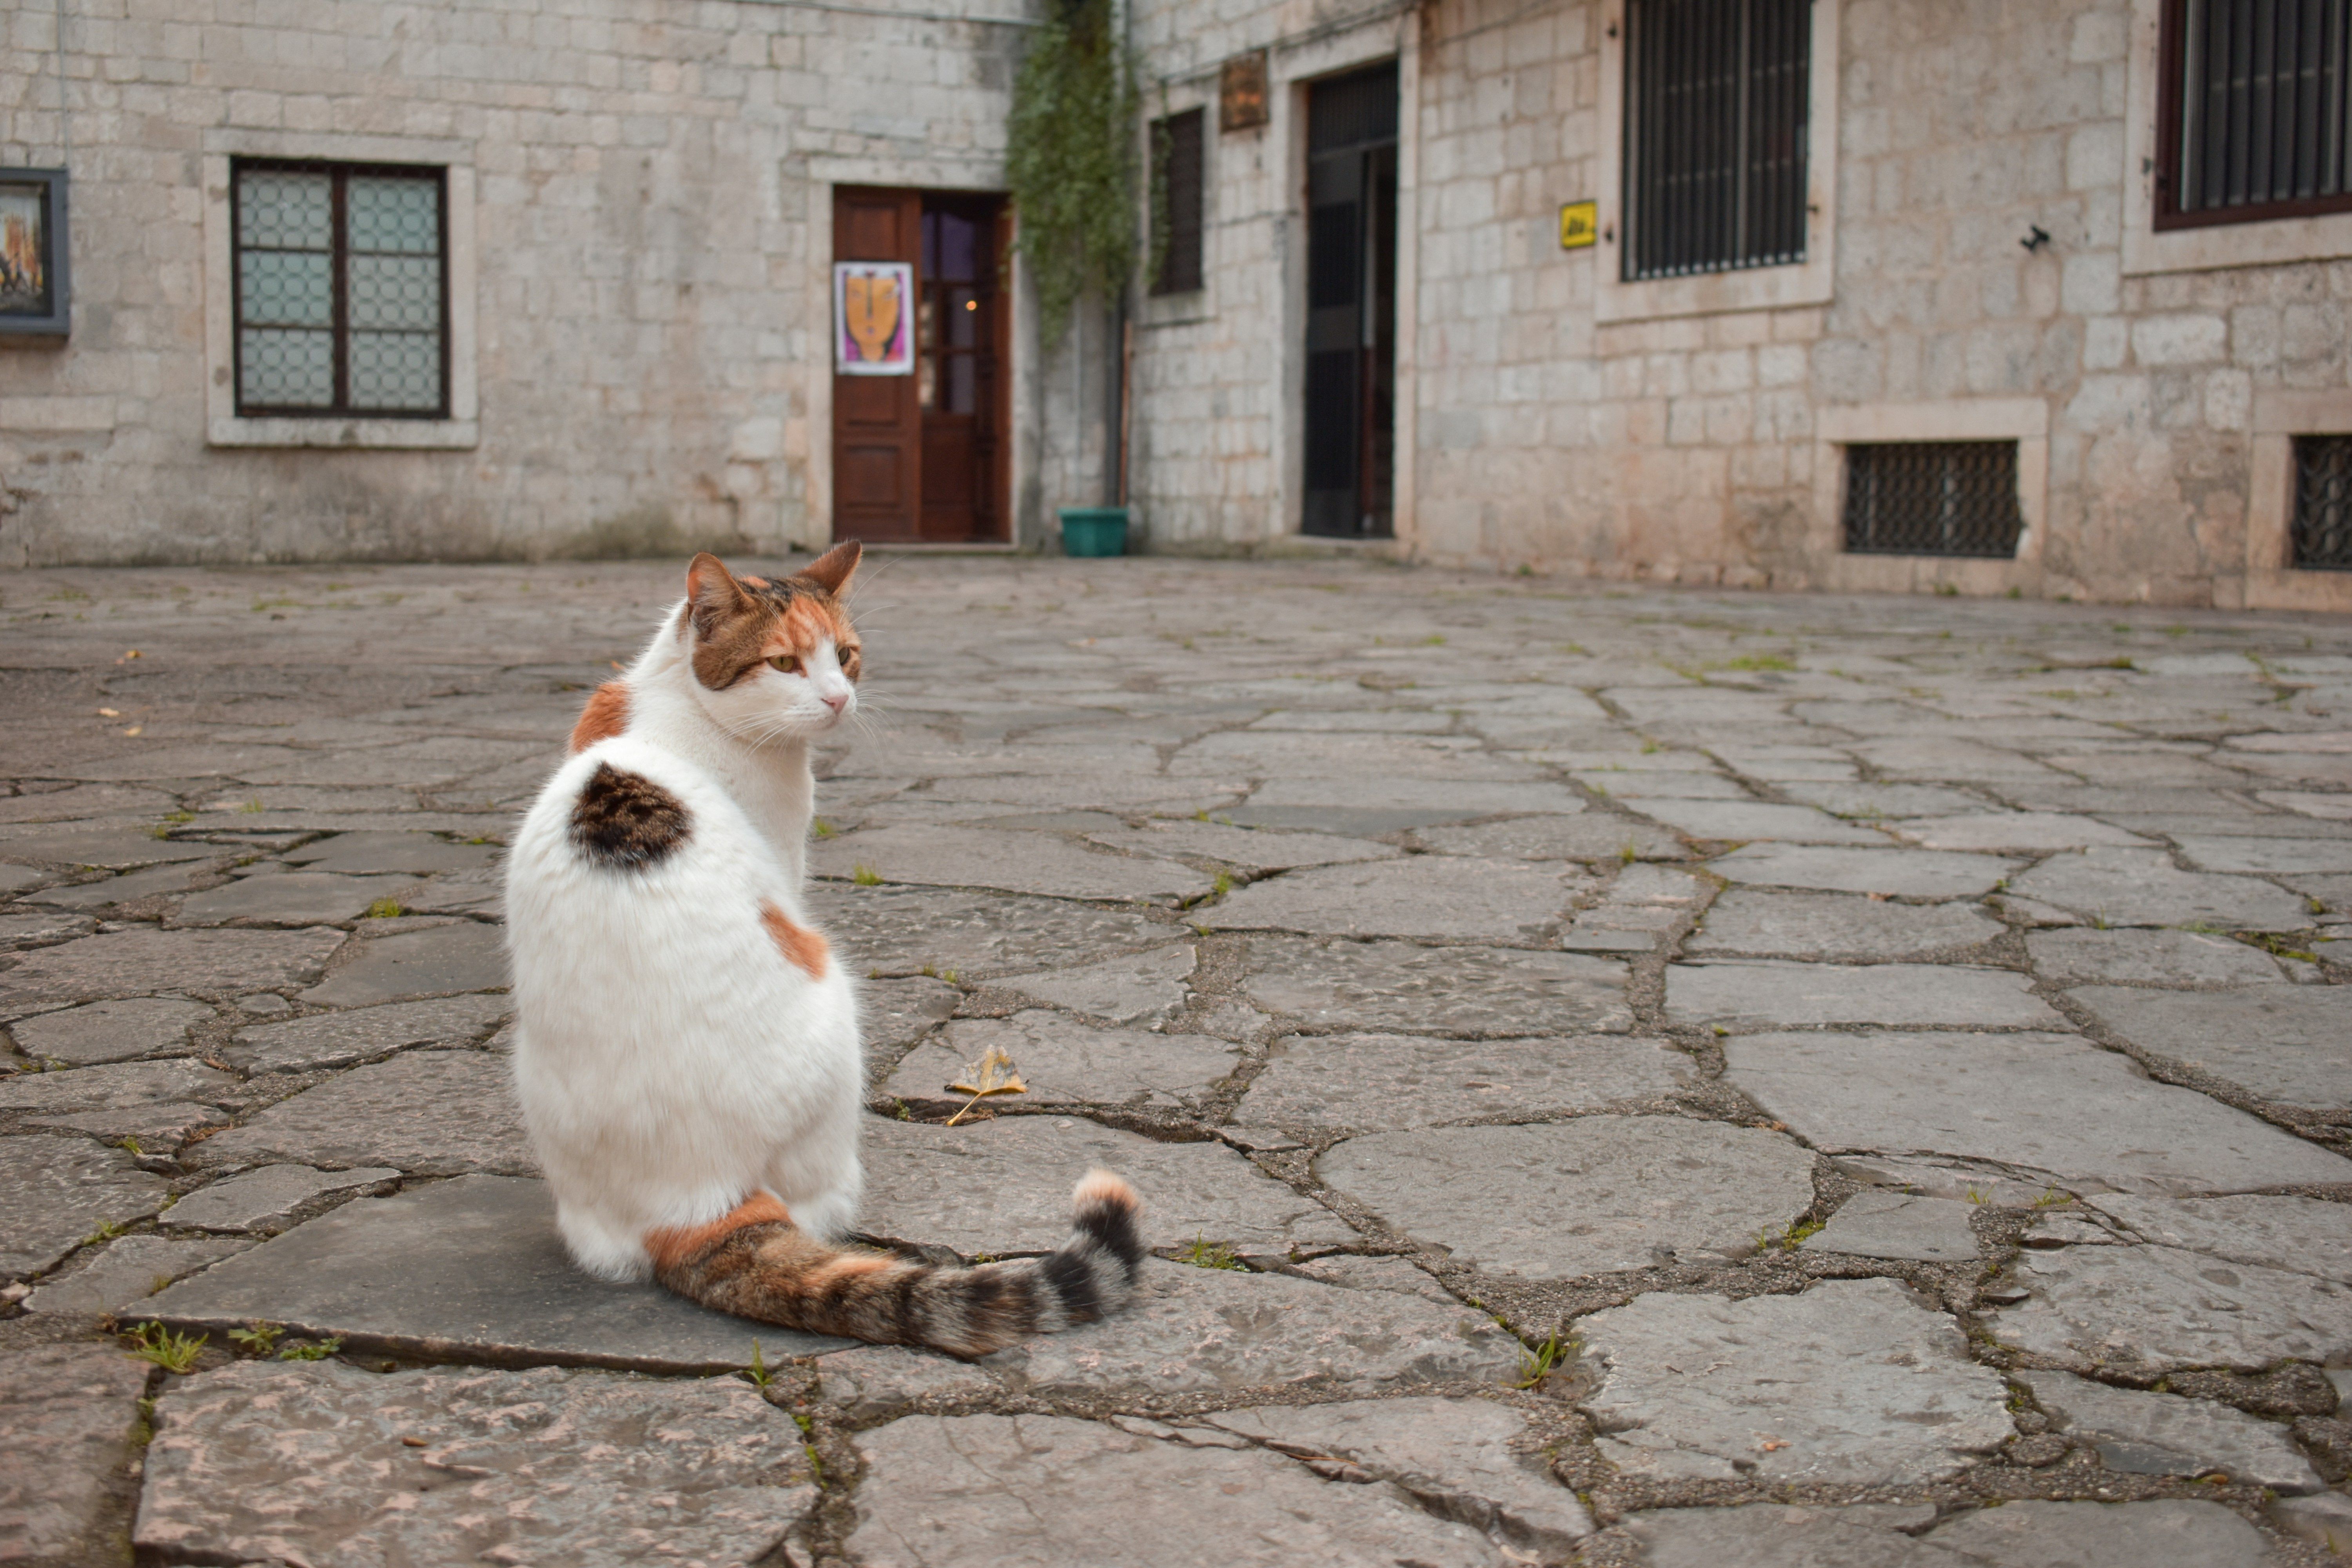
x=669, y=1061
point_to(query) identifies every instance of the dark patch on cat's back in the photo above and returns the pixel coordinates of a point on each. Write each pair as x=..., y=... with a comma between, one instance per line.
x=627, y=821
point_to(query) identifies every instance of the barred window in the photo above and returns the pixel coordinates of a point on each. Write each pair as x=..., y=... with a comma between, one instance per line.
x=342, y=289
x=1716, y=111
x=2321, y=529
x=2254, y=114
x=1933, y=498
x=1177, y=201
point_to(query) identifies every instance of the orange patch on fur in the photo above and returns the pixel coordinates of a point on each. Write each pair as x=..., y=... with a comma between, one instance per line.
x=605, y=716
x=803, y=948
x=674, y=1244
x=850, y=1265
x=753, y=582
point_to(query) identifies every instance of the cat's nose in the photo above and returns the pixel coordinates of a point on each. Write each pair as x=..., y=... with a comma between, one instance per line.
x=837, y=701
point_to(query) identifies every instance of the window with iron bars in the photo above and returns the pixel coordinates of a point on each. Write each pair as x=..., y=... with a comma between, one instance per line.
x=1177, y=153
x=2253, y=120
x=1717, y=112
x=342, y=289
x=1933, y=498
x=2322, y=527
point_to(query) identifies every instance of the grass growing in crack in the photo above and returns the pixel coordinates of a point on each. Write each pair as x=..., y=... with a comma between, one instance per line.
x=821, y=828
x=258, y=1339
x=1206, y=1254
x=865, y=875
x=1540, y=1363
x=252, y=807
x=1759, y=661
x=107, y=1231
x=316, y=1350
x=1629, y=851
x=151, y=1342
x=1788, y=1239
x=2052, y=1199
x=759, y=1374
x=385, y=909
x=182, y=815
x=1223, y=884
x=2274, y=944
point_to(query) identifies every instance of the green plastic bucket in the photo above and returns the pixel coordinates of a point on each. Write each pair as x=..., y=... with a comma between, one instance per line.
x=1094, y=530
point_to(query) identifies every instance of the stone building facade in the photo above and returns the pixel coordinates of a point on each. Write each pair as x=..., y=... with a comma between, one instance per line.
x=1977, y=254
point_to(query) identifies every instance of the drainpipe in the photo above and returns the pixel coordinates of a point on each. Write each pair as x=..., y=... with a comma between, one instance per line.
x=1115, y=343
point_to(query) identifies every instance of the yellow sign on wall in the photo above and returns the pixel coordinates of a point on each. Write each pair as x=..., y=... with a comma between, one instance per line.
x=1580, y=225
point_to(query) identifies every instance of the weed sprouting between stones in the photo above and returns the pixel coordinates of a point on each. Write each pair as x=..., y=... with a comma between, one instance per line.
x=151, y=1342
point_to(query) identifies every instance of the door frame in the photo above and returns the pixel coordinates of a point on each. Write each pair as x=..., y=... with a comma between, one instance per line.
x=813, y=529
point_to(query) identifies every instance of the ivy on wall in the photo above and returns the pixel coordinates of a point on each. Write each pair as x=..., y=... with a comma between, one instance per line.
x=1071, y=160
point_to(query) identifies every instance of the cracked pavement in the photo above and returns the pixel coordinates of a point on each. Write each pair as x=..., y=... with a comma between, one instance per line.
x=1617, y=1077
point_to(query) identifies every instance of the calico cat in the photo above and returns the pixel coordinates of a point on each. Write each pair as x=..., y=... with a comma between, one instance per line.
x=687, y=1049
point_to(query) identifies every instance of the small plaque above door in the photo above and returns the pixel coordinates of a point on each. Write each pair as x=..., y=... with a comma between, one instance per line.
x=873, y=310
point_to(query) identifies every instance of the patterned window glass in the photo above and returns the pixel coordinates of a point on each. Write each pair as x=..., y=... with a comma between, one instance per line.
x=340, y=296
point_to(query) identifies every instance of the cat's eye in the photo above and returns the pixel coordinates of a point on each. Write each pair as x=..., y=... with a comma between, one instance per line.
x=786, y=663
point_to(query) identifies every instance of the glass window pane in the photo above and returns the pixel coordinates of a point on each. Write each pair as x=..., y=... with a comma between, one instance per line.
x=395, y=291
x=957, y=249
x=397, y=370
x=279, y=368
x=394, y=214
x=963, y=318
x=285, y=289
x=962, y=379
x=281, y=209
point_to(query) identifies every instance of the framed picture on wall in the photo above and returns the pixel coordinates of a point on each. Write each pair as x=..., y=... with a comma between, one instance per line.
x=34, y=287
x=873, y=318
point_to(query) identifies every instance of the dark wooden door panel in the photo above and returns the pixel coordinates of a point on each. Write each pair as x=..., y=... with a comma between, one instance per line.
x=877, y=419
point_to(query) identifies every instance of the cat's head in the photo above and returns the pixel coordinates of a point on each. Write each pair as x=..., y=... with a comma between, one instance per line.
x=773, y=660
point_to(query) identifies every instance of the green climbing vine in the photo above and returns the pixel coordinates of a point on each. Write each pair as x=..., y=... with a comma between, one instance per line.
x=1071, y=160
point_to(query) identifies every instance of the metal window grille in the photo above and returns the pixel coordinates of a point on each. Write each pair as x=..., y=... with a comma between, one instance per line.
x=2255, y=121
x=2321, y=529
x=1177, y=142
x=342, y=291
x=1716, y=119
x=1933, y=498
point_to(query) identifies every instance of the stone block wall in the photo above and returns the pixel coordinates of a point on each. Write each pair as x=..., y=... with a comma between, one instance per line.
x=654, y=183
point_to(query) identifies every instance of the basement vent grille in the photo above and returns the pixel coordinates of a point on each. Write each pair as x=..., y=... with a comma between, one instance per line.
x=2323, y=503
x=1933, y=498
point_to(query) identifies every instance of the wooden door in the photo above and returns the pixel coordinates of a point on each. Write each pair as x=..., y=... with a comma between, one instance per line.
x=877, y=419
x=962, y=322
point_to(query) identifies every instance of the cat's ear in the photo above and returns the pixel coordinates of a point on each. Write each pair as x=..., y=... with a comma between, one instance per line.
x=832, y=569
x=712, y=591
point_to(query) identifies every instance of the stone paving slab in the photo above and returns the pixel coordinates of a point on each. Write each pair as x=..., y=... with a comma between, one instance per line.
x=73, y=1405
x=132, y=886
x=1743, y=820
x=42, y=927
x=1454, y=1455
x=445, y=1466
x=1143, y=987
x=2292, y=1045
x=2142, y=888
x=1605, y=1209
x=109, y=1031
x=1463, y=992
x=1879, y=1223
x=132, y=963
x=902, y=931
x=1764, y=994
x=1837, y=926
x=427, y=1113
x=379, y=853
x=2301, y=1236
x=468, y=1270
x=1891, y=873
x=2013, y=832
x=2165, y=1435
x=995, y=1491
x=2016, y=1535
x=1258, y=851
x=2300, y=853
x=103, y=849
x=2087, y=956
x=1384, y=1082
x=56, y=1191
x=1066, y=1062
x=1424, y=896
x=440, y=961
x=126, y=1271
x=1855, y=1381
x=1014, y=863
x=1593, y=836
x=340, y=1039
x=2145, y=1310
x=2014, y=1099
x=1004, y=1187
x=292, y=897
x=267, y=1199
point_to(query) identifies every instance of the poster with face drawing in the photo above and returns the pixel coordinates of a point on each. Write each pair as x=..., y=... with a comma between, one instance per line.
x=25, y=286
x=873, y=318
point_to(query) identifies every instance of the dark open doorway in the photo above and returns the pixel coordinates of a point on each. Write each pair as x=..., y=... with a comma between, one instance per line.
x=926, y=458
x=1351, y=226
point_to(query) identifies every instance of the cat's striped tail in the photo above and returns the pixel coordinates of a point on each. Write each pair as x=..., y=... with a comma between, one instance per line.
x=755, y=1263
